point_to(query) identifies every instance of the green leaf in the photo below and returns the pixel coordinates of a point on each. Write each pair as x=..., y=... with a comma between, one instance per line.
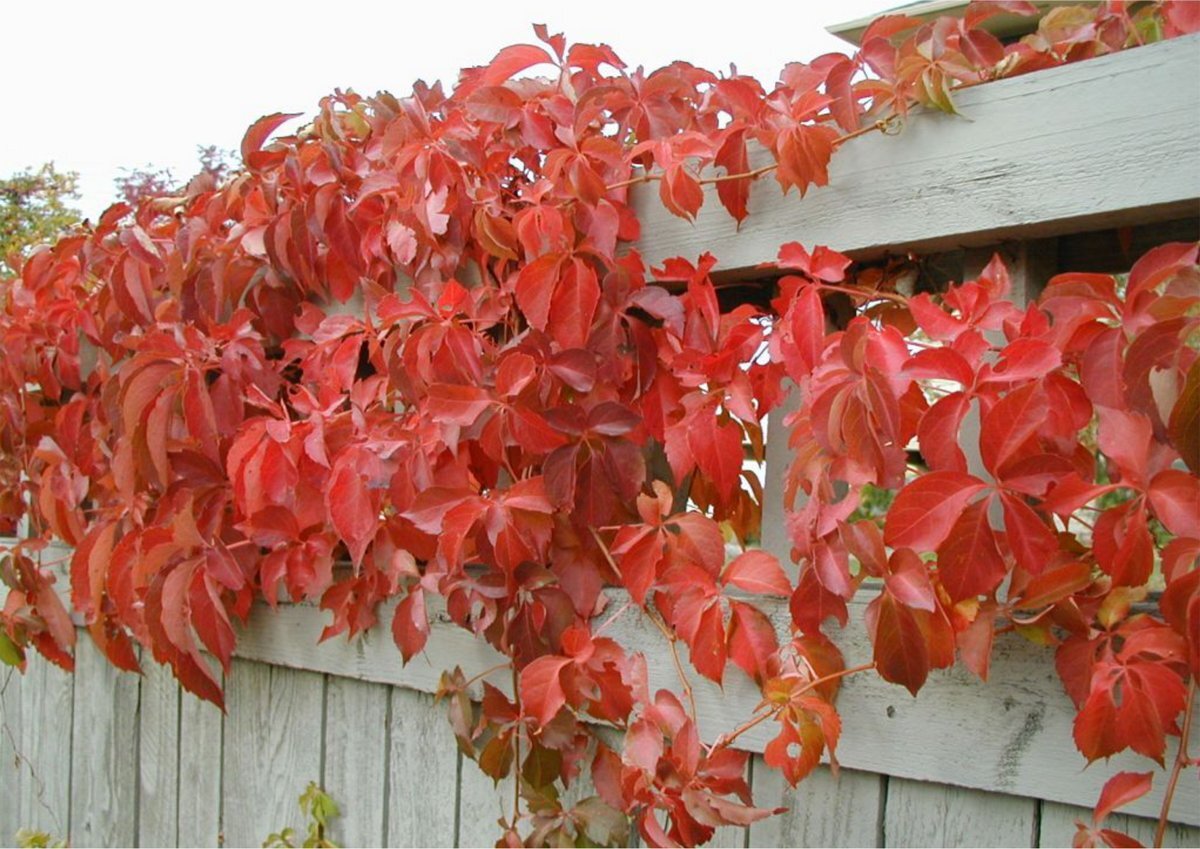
x=10, y=652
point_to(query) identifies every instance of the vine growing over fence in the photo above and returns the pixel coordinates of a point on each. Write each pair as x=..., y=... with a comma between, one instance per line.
x=408, y=352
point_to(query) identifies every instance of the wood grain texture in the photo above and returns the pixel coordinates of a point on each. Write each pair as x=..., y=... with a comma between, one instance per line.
x=11, y=768
x=272, y=749
x=103, y=751
x=158, y=757
x=822, y=810
x=35, y=743
x=200, y=725
x=1017, y=726
x=924, y=814
x=422, y=773
x=1058, y=822
x=356, y=759
x=482, y=804
x=1036, y=155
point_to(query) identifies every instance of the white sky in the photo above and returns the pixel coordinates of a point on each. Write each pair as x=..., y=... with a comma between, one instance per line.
x=95, y=86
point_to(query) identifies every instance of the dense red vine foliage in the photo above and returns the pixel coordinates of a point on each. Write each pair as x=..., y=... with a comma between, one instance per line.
x=411, y=337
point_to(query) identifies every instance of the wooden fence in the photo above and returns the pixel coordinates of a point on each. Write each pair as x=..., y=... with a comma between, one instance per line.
x=1038, y=168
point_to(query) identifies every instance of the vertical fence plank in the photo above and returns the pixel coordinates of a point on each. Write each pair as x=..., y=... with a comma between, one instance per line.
x=422, y=773
x=35, y=743
x=103, y=751
x=272, y=748
x=200, y=735
x=481, y=805
x=11, y=767
x=925, y=814
x=1058, y=824
x=158, y=757
x=356, y=759
x=822, y=810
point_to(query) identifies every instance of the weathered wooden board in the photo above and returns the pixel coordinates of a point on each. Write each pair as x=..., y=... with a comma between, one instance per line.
x=36, y=767
x=481, y=805
x=200, y=745
x=158, y=757
x=1063, y=150
x=103, y=751
x=423, y=770
x=1016, y=728
x=356, y=727
x=822, y=810
x=1058, y=822
x=272, y=749
x=924, y=814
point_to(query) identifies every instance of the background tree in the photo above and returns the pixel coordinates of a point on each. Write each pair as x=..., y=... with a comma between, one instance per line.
x=136, y=184
x=35, y=207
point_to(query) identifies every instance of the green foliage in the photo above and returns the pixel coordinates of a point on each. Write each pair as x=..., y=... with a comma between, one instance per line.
x=318, y=809
x=35, y=207
x=30, y=838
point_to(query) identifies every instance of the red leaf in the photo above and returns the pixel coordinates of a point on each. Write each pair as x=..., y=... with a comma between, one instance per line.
x=901, y=654
x=535, y=288
x=718, y=451
x=806, y=321
x=731, y=156
x=573, y=305
x=909, y=581
x=969, y=563
x=1175, y=497
x=1054, y=585
x=752, y=639
x=1032, y=542
x=1120, y=790
x=410, y=624
x=541, y=688
x=351, y=508
x=1125, y=438
x=252, y=142
x=680, y=192
x=925, y=510
x=511, y=61
x=803, y=152
x=1009, y=423
x=707, y=647
x=456, y=404
x=938, y=434
x=756, y=571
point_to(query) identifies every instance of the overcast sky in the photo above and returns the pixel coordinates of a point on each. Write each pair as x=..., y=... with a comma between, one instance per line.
x=95, y=86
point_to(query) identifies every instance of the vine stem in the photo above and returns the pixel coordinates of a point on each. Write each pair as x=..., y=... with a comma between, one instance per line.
x=883, y=125
x=488, y=672
x=727, y=739
x=516, y=753
x=1181, y=761
x=671, y=636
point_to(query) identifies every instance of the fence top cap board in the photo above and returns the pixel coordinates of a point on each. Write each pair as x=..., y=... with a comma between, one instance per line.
x=1004, y=26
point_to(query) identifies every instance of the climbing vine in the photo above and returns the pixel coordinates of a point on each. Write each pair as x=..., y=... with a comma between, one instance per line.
x=409, y=351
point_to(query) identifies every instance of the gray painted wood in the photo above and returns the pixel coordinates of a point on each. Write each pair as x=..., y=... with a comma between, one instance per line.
x=158, y=757
x=422, y=773
x=272, y=749
x=1058, y=823
x=822, y=810
x=1017, y=726
x=482, y=804
x=103, y=751
x=36, y=768
x=356, y=759
x=200, y=745
x=947, y=181
x=924, y=814
x=11, y=682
